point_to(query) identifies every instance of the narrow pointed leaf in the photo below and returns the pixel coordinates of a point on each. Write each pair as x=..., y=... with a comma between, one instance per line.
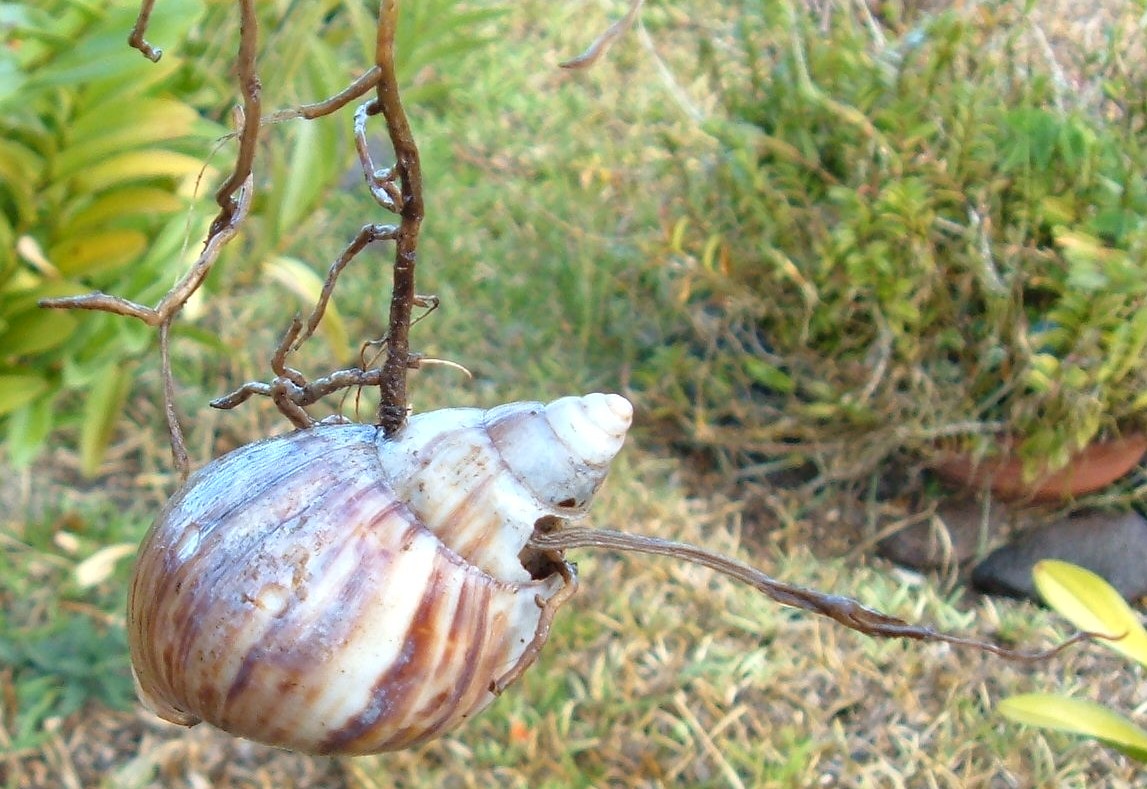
x=1090, y=603
x=151, y=121
x=84, y=255
x=303, y=186
x=1077, y=716
x=28, y=428
x=18, y=389
x=137, y=166
x=35, y=331
x=122, y=204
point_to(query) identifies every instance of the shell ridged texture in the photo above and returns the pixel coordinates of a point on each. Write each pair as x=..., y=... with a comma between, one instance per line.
x=292, y=592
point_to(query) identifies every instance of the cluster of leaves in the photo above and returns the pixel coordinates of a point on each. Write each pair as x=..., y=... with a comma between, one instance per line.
x=907, y=239
x=98, y=157
x=1092, y=605
x=101, y=152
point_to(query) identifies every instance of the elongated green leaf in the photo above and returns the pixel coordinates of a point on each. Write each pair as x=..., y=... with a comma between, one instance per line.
x=18, y=389
x=768, y=375
x=121, y=204
x=85, y=255
x=1077, y=716
x=28, y=428
x=1089, y=603
x=298, y=278
x=23, y=294
x=102, y=55
x=303, y=187
x=34, y=331
x=105, y=131
x=137, y=166
x=21, y=170
x=101, y=411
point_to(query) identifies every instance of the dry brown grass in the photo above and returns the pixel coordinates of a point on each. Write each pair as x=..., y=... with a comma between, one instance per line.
x=665, y=675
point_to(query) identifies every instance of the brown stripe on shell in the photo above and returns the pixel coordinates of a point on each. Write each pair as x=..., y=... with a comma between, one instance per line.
x=357, y=594
x=467, y=643
x=445, y=645
x=266, y=647
x=482, y=521
x=470, y=640
x=294, y=646
x=352, y=594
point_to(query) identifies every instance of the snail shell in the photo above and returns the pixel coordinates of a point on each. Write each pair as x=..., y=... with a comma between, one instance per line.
x=336, y=591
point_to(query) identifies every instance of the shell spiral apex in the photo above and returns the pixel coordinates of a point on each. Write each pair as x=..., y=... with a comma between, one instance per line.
x=336, y=591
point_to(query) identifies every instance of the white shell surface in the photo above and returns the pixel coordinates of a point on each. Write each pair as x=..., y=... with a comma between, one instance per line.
x=481, y=479
x=292, y=592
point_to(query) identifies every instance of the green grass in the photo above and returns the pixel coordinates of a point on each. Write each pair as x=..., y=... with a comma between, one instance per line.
x=544, y=192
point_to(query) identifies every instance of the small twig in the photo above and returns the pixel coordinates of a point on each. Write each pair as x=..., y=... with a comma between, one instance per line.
x=676, y=92
x=174, y=429
x=319, y=109
x=884, y=340
x=987, y=273
x=251, y=89
x=136, y=39
x=368, y=235
x=380, y=182
x=304, y=395
x=603, y=42
x=175, y=298
x=843, y=610
x=545, y=622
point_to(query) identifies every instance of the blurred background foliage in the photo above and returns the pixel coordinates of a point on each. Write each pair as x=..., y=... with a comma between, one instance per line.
x=105, y=157
x=916, y=234
x=99, y=153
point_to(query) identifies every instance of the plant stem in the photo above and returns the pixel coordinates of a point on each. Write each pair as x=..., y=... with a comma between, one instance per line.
x=392, y=406
x=843, y=610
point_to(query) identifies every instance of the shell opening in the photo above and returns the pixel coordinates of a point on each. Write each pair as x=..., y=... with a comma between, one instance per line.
x=542, y=563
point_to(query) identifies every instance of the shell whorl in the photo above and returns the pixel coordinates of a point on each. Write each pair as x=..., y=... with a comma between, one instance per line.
x=547, y=460
x=334, y=591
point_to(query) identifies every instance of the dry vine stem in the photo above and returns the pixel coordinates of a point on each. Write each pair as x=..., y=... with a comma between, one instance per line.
x=399, y=190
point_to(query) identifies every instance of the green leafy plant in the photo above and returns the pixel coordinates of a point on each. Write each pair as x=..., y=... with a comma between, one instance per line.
x=906, y=241
x=101, y=151
x=98, y=158
x=1091, y=604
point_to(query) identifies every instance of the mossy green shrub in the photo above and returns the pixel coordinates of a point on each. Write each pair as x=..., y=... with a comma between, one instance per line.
x=906, y=242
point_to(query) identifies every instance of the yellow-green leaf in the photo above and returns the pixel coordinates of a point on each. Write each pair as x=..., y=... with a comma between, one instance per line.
x=105, y=132
x=121, y=203
x=136, y=166
x=1077, y=716
x=83, y=255
x=17, y=390
x=298, y=278
x=21, y=170
x=768, y=375
x=302, y=188
x=1090, y=603
x=28, y=427
x=33, y=331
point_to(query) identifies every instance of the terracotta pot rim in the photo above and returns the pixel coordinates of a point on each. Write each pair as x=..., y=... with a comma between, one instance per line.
x=1092, y=468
